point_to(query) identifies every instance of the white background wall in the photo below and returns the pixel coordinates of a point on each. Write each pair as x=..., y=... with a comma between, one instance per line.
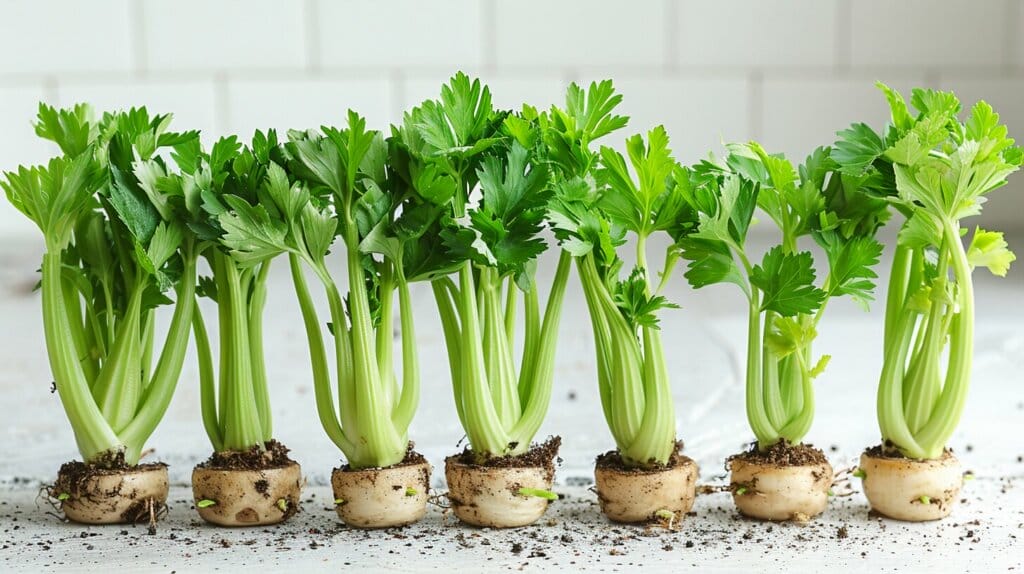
x=789, y=73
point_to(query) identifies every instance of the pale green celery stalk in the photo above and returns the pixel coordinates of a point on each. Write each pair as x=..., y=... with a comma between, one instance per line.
x=373, y=427
x=922, y=383
x=778, y=390
x=501, y=411
x=760, y=422
x=633, y=380
x=658, y=421
x=917, y=410
x=385, y=445
x=119, y=382
x=102, y=364
x=161, y=385
x=116, y=411
x=318, y=357
x=235, y=409
x=942, y=168
x=950, y=403
x=786, y=394
x=88, y=404
x=476, y=396
x=82, y=330
x=94, y=435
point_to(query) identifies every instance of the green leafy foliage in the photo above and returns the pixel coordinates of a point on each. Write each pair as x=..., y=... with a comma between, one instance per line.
x=588, y=116
x=504, y=230
x=936, y=170
x=989, y=249
x=851, y=264
x=857, y=149
x=787, y=281
x=454, y=129
x=113, y=250
x=636, y=304
x=55, y=196
x=788, y=335
x=833, y=197
x=651, y=203
x=72, y=129
x=724, y=207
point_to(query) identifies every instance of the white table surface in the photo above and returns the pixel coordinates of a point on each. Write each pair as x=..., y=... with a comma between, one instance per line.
x=705, y=348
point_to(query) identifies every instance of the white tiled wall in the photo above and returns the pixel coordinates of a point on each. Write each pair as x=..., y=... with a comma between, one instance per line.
x=788, y=72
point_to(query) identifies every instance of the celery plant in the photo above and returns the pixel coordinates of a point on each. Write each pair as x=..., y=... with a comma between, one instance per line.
x=785, y=306
x=936, y=170
x=111, y=253
x=345, y=182
x=597, y=202
x=595, y=206
x=489, y=241
x=214, y=194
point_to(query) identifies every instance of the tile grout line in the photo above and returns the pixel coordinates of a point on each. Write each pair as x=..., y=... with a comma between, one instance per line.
x=138, y=51
x=488, y=36
x=1011, y=44
x=396, y=82
x=569, y=75
x=670, y=13
x=755, y=105
x=312, y=41
x=355, y=72
x=220, y=103
x=843, y=47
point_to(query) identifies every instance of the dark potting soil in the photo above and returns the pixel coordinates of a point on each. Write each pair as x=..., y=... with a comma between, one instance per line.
x=272, y=455
x=783, y=454
x=890, y=450
x=613, y=460
x=541, y=455
x=72, y=475
x=108, y=460
x=411, y=458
